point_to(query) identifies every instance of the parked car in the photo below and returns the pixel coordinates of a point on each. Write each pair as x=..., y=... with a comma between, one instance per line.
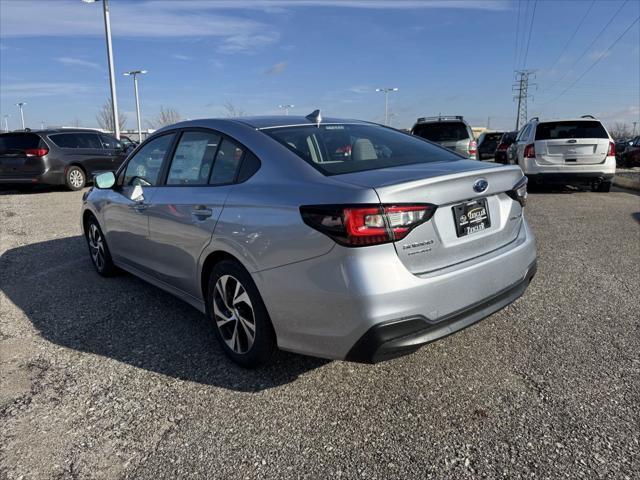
x=128, y=144
x=286, y=238
x=57, y=157
x=631, y=155
x=507, y=139
x=450, y=132
x=488, y=144
x=573, y=151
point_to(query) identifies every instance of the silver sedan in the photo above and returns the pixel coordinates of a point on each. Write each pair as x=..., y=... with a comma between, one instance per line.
x=334, y=238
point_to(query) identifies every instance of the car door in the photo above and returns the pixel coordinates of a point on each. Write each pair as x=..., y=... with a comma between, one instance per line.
x=124, y=214
x=115, y=150
x=185, y=209
x=91, y=155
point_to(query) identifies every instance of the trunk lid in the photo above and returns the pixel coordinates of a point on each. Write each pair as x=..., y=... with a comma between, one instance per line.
x=13, y=156
x=436, y=244
x=579, y=151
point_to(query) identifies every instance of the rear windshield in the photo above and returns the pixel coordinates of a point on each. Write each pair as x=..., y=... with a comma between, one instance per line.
x=570, y=129
x=492, y=137
x=442, y=132
x=18, y=142
x=346, y=148
x=509, y=137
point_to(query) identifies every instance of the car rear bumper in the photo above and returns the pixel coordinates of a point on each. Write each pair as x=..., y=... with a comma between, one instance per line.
x=400, y=337
x=325, y=306
x=569, y=178
x=46, y=178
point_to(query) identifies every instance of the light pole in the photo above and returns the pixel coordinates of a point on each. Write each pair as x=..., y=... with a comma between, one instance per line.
x=20, y=105
x=6, y=123
x=286, y=108
x=386, y=91
x=112, y=78
x=135, y=74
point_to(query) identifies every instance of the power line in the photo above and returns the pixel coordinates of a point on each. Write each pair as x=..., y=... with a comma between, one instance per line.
x=525, y=14
x=533, y=15
x=573, y=35
x=586, y=50
x=515, y=50
x=602, y=55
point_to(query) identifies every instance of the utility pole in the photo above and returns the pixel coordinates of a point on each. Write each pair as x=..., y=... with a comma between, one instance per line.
x=20, y=105
x=286, y=107
x=386, y=91
x=135, y=74
x=521, y=93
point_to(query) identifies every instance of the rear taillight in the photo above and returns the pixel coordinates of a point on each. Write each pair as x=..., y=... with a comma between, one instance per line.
x=36, y=152
x=519, y=191
x=530, y=151
x=612, y=150
x=473, y=147
x=502, y=147
x=361, y=225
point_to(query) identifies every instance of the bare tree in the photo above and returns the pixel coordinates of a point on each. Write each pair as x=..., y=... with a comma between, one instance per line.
x=166, y=116
x=105, y=118
x=232, y=111
x=620, y=131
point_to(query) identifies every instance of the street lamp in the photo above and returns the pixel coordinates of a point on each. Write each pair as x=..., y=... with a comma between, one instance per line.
x=20, y=105
x=112, y=78
x=286, y=108
x=135, y=74
x=386, y=91
x=6, y=123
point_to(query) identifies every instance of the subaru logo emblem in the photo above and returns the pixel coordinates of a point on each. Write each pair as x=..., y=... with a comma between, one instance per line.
x=480, y=185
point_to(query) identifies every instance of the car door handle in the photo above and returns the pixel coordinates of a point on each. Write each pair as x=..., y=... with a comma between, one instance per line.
x=140, y=207
x=202, y=212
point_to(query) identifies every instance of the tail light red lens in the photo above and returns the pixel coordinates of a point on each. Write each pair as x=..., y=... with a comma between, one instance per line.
x=502, y=147
x=473, y=147
x=612, y=150
x=361, y=225
x=530, y=151
x=36, y=152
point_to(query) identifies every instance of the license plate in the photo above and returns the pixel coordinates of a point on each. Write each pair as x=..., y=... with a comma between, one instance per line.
x=12, y=162
x=471, y=217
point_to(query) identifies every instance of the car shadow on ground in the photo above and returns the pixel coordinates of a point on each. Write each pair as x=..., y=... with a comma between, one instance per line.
x=636, y=216
x=126, y=319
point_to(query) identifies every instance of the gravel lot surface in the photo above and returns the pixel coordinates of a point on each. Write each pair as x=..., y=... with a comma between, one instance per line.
x=113, y=378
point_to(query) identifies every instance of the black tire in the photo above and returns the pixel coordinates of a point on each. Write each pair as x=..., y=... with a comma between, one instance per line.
x=75, y=179
x=98, y=249
x=603, y=187
x=249, y=353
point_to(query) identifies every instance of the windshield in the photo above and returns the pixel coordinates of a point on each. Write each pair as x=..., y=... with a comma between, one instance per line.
x=570, y=129
x=442, y=132
x=18, y=142
x=346, y=148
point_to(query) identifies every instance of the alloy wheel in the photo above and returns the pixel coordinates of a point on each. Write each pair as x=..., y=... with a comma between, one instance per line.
x=96, y=246
x=233, y=313
x=76, y=178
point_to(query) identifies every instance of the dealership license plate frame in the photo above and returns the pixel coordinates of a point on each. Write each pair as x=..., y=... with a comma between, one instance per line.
x=466, y=226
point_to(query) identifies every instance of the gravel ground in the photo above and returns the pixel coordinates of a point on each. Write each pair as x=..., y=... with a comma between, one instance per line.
x=112, y=378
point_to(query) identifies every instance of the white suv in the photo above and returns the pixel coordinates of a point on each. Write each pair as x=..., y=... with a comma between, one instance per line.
x=575, y=152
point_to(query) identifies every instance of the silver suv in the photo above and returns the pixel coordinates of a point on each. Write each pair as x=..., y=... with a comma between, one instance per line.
x=573, y=151
x=450, y=132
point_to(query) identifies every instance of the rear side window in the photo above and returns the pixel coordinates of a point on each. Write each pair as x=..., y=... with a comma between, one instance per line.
x=570, y=129
x=227, y=163
x=442, y=131
x=18, y=142
x=345, y=148
x=194, y=156
x=76, y=140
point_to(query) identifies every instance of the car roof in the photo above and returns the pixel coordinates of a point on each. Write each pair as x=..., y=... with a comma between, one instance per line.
x=260, y=122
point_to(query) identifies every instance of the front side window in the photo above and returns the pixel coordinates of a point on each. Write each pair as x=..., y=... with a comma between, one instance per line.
x=144, y=167
x=194, y=156
x=110, y=143
x=344, y=148
x=442, y=131
x=227, y=163
x=570, y=129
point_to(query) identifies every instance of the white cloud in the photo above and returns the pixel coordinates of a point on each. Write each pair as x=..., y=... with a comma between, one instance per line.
x=276, y=69
x=361, y=89
x=44, y=89
x=68, y=18
x=77, y=62
x=184, y=58
x=596, y=54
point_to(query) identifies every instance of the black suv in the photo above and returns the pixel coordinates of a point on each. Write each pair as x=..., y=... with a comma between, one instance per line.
x=57, y=157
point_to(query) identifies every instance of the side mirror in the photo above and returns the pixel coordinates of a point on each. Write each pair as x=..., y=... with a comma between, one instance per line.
x=105, y=180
